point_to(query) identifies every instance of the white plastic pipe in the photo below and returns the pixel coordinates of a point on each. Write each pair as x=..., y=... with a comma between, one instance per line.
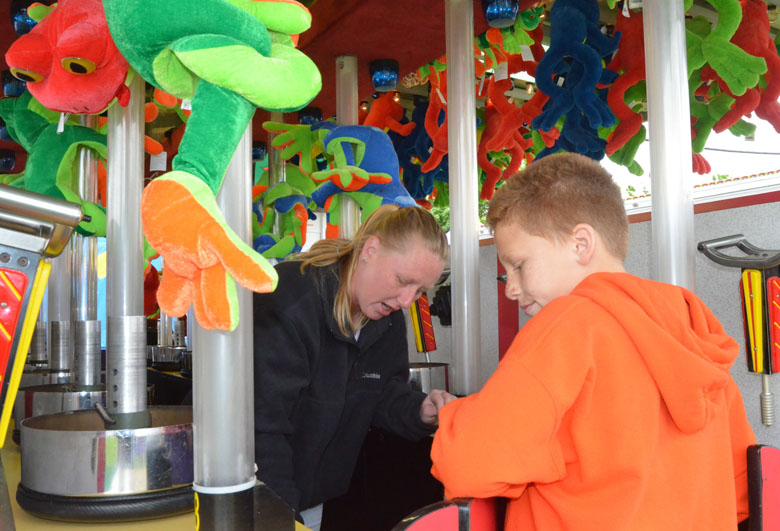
x=347, y=114
x=464, y=215
x=670, y=143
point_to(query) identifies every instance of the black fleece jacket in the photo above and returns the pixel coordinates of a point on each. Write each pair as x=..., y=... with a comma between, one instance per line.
x=317, y=392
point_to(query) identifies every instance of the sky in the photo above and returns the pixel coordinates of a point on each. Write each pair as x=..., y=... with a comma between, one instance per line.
x=726, y=153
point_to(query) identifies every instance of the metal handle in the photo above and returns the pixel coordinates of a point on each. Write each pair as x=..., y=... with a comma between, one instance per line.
x=756, y=258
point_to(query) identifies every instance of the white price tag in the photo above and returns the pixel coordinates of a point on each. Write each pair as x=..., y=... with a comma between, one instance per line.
x=441, y=96
x=526, y=53
x=560, y=81
x=502, y=72
x=61, y=124
x=626, y=10
x=158, y=162
x=186, y=105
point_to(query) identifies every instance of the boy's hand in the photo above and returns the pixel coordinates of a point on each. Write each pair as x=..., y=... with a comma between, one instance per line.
x=436, y=399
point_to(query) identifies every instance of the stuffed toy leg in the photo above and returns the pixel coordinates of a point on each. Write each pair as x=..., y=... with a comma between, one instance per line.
x=228, y=57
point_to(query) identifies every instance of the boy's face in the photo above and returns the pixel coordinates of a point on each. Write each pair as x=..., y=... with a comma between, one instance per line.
x=538, y=269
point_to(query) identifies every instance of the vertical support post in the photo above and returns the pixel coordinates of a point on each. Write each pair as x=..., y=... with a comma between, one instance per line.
x=86, y=327
x=464, y=207
x=60, y=344
x=223, y=381
x=126, y=355
x=347, y=114
x=670, y=143
x=277, y=171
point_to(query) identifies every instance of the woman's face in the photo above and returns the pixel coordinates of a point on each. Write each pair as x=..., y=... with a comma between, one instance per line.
x=386, y=280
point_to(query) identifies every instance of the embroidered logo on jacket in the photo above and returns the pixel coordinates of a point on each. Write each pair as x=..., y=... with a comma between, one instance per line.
x=371, y=375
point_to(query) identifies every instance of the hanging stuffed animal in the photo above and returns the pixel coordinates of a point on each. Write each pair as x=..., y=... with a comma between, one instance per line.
x=289, y=201
x=69, y=60
x=753, y=37
x=386, y=113
x=629, y=62
x=434, y=125
x=575, y=34
x=738, y=69
x=52, y=160
x=227, y=57
x=365, y=167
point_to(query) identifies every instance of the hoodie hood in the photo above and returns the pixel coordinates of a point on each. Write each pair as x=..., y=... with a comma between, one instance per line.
x=672, y=329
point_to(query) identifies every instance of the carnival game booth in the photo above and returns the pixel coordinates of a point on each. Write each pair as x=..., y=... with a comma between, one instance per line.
x=282, y=118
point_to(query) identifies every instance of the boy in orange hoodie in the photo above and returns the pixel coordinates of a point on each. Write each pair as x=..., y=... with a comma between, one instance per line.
x=614, y=407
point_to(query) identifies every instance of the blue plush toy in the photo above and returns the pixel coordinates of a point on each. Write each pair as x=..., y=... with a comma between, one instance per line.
x=574, y=36
x=416, y=147
x=365, y=166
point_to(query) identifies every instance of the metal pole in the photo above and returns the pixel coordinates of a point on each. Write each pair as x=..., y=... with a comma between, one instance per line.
x=222, y=367
x=60, y=351
x=464, y=209
x=347, y=114
x=277, y=170
x=86, y=327
x=126, y=355
x=670, y=144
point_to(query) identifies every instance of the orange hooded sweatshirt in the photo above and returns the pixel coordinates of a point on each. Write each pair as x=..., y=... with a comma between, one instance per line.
x=613, y=409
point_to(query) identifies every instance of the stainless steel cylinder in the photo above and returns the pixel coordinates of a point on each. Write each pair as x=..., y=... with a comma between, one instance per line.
x=86, y=352
x=165, y=330
x=427, y=376
x=179, y=333
x=38, y=355
x=90, y=460
x=464, y=195
x=347, y=104
x=61, y=358
x=84, y=287
x=126, y=362
x=43, y=376
x=37, y=400
x=223, y=363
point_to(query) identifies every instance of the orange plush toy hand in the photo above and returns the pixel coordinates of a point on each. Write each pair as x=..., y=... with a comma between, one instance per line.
x=202, y=261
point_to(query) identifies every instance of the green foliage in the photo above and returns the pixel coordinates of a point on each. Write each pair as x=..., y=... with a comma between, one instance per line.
x=441, y=208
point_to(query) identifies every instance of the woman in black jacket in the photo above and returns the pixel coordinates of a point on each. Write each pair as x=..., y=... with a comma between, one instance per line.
x=331, y=354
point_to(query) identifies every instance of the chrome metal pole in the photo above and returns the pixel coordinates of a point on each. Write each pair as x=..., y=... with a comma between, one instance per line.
x=277, y=170
x=165, y=330
x=347, y=114
x=126, y=356
x=86, y=327
x=670, y=143
x=464, y=188
x=60, y=346
x=222, y=363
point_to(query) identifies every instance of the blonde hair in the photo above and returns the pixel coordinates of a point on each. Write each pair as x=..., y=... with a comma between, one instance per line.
x=395, y=227
x=554, y=194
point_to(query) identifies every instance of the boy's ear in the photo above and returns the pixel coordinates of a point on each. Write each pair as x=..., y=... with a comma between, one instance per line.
x=584, y=238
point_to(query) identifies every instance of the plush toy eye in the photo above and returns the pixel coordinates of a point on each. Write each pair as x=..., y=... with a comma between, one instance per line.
x=77, y=65
x=28, y=76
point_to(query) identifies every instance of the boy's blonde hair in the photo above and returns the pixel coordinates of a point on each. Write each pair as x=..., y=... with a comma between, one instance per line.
x=554, y=194
x=395, y=228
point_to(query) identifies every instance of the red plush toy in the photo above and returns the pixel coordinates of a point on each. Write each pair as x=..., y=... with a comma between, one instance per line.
x=70, y=61
x=438, y=133
x=386, y=113
x=514, y=117
x=629, y=62
x=752, y=36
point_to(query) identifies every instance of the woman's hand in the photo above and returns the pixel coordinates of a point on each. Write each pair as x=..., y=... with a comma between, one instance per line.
x=436, y=399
